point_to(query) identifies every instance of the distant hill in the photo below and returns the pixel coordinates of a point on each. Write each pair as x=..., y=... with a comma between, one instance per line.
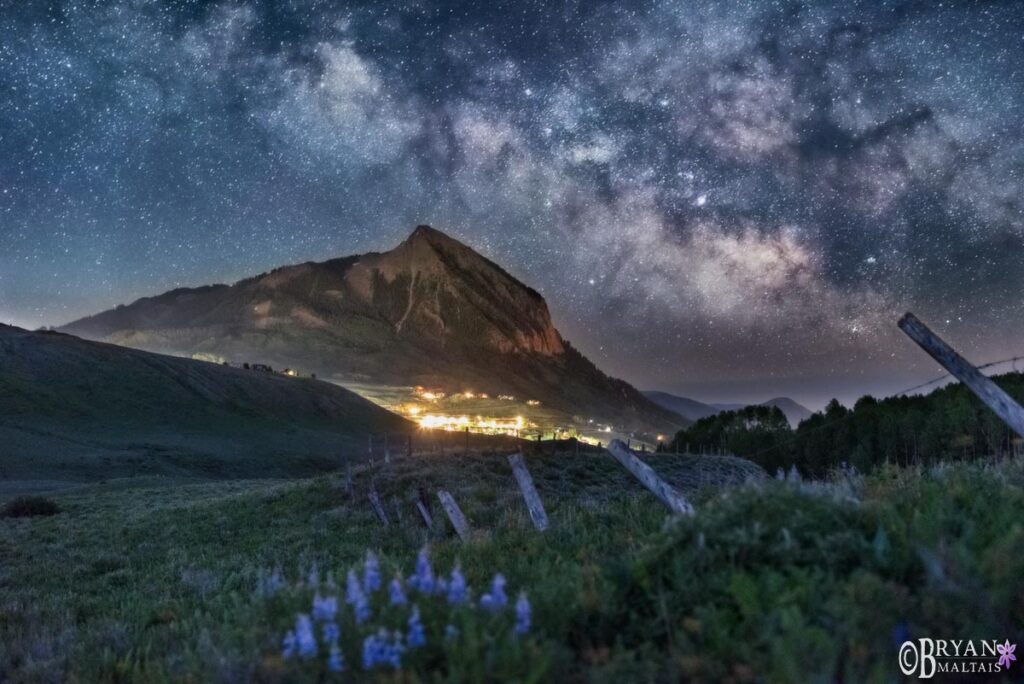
x=73, y=409
x=694, y=410
x=430, y=312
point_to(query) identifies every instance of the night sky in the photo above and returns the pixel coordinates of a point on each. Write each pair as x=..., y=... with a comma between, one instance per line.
x=727, y=200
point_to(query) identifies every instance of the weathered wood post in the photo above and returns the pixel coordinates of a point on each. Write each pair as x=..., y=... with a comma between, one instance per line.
x=454, y=514
x=533, y=502
x=675, y=501
x=377, y=507
x=989, y=392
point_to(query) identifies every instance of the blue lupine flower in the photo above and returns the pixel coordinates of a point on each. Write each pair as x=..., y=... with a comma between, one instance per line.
x=370, y=652
x=371, y=573
x=335, y=661
x=393, y=652
x=423, y=578
x=522, y=615
x=353, y=592
x=397, y=595
x=304, y=636
x=417, y=636
x=458, y=592
x=288, y=645
x=362, y=610
x=496, y=598
x=331, y=632
x=375, y=650
x=355, y=597
x=324, y=609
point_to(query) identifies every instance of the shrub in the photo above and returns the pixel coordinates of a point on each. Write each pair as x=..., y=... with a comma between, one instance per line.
x=28, y=506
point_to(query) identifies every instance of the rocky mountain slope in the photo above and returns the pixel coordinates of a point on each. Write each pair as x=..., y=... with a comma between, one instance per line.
x=430, y=312
x=73, y=409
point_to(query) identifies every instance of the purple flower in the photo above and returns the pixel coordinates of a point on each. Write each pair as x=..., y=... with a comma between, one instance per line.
x=335, y=661
x=458, y=592
x=371, y=573
x=522, y=615
x=331, y=632
x=397, y=595
x=423, y=578
x=417, y=636
x=304, y=637
x=324, y=609
x=353, y=591
x=288, y=645
x=496, y=598
x=379, y=649
x=1006, y=655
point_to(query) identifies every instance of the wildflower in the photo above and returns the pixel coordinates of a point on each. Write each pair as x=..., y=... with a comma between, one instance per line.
x=397, y=596
x=496, y=598
x=324, y=609
x=352, y=589
x=371, y=651
x=458, y=592
x=417, y=636
x=288, y=645
x=379, y=649
x=371, y=573
x=335, y=661
x=331, y=632
x=522, y=615
x=304, y=636
x=423, y=578
x=1006, y=655
x=313, y=578
x=362, y=610
x=393, y=652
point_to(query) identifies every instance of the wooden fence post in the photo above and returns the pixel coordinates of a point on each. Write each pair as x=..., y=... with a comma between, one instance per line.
x=428, y=521
x=675, y=501
x=989, y=392
x=533, y=502
x=377, y=507
x=454, y=514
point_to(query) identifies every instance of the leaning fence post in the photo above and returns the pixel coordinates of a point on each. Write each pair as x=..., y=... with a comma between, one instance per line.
x=989, y=392
x=377, y=507
x=454, y=514
x=533, y=502
x=675, y=501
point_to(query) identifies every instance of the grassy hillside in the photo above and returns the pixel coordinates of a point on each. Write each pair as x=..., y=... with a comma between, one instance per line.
x=163, y=580
x=73, y=409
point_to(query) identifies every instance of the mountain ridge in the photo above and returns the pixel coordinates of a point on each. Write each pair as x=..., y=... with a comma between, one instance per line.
x=694, y=410
x=431, y=311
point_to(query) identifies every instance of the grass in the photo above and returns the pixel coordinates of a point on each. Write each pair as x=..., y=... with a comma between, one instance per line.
x=154, y=579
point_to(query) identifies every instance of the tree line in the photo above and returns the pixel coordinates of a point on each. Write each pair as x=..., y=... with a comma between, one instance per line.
x=949, y=423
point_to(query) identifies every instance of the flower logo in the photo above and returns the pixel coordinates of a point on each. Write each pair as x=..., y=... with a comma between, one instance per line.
x=1006, y=655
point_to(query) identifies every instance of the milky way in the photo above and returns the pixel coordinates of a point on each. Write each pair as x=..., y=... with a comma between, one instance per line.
x=730, y=200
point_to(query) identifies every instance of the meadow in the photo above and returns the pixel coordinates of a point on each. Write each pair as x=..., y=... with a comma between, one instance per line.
x=154, y=579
